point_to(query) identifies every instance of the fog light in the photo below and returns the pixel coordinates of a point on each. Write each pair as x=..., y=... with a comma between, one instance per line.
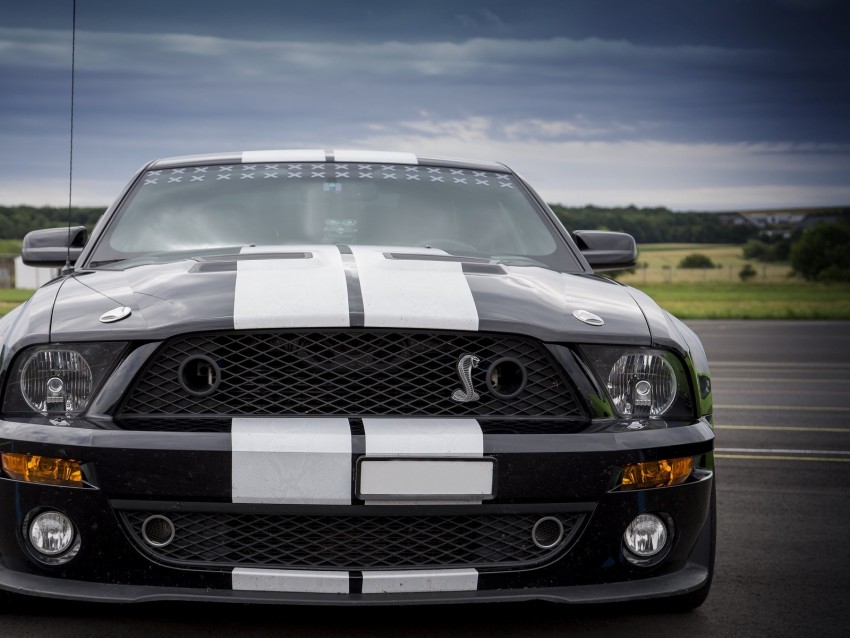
x=657, y=473
x=51, y=533
x=646, y=536
x=42, y=469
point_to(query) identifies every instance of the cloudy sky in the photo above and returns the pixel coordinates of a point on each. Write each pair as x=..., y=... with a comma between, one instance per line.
x=710, y=105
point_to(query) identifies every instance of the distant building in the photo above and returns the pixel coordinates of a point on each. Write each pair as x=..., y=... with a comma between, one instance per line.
x=31, y=278
x=733, y=219
x=783, y=222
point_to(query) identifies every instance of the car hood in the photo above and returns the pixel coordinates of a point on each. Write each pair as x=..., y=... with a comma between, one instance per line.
x=323, y=286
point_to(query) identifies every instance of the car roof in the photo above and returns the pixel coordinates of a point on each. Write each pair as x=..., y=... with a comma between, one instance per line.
x=319, y=155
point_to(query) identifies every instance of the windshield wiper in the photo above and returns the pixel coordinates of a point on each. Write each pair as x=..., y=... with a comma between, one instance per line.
x=519, y=260
x=104, y=262
x=167, y=256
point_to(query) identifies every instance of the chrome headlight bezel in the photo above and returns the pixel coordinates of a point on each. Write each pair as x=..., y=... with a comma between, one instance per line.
x=73, y=372
x=622, y=370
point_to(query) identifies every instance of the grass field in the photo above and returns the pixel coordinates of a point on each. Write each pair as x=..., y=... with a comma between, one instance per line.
x=719, y=293
x=658, y=263
x=11, y=297
x=752, y=300
x=10, y=246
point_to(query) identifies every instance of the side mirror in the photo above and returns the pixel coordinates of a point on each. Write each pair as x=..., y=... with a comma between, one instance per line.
x=49, y=248
x=605, y=250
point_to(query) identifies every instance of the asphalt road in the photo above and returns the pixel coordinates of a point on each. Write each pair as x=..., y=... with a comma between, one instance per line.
x=782, y=396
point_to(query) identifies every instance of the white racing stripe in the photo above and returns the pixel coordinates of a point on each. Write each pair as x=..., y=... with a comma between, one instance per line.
x=291, y=293
x=308, y=461
x=296, y=155
x=338, y=582
x=423, y=437
x=283, y=580
x=291, y=460
x=397, y=582
x=437, y=438
x=414, y=294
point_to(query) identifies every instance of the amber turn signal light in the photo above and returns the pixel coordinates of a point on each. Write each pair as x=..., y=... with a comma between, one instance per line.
x=42, y=469
x=657, y=473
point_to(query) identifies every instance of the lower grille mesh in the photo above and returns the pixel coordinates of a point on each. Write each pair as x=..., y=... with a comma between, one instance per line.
x=221, y=540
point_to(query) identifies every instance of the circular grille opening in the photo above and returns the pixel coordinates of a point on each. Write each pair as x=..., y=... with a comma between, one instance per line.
x=547, y=532
x=157, y=530
x=199, y=375
x=506, y=378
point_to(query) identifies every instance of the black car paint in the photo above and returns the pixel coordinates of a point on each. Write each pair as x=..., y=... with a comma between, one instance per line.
x=133, y=468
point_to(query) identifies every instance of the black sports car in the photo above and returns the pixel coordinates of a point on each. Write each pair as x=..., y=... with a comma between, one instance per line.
x=348, y=377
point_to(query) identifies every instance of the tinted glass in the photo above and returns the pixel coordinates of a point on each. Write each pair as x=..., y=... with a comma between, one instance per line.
x=462, y=211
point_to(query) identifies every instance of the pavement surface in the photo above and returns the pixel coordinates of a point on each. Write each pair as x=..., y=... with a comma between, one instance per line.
x=782, y=412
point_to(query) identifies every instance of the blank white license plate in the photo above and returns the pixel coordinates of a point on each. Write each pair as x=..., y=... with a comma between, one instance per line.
x=426, y=479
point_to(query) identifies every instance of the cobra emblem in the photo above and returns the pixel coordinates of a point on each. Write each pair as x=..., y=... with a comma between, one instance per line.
x=465, y=365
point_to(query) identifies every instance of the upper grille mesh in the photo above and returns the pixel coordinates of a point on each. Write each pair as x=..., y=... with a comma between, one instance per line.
x=348, y=373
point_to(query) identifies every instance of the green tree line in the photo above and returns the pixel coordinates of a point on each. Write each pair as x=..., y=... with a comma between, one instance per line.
x=17, y=221
x=655, y=225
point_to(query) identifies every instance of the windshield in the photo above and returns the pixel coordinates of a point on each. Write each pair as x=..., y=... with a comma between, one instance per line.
x=461, y=211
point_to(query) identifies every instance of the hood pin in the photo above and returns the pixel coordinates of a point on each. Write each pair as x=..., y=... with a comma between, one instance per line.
x=588, y=317
x=116, y=314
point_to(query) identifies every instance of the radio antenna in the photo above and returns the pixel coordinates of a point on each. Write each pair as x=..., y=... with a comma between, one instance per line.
x=71, y=152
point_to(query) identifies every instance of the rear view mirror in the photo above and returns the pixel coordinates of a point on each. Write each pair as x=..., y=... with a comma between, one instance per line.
x=605, y=250
x=49, y=248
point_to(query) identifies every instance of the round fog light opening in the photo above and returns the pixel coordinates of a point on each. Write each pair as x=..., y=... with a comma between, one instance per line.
x=158, y=530
x=547, y=532
x=51, y=533
x=646, y=535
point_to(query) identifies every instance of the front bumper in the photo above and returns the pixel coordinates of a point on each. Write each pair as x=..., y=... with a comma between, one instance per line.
x=691, y=577
x=191, y=471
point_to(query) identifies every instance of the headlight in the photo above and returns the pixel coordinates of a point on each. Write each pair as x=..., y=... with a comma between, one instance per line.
x=643, y=383
x=60, y=379
x=56, y=381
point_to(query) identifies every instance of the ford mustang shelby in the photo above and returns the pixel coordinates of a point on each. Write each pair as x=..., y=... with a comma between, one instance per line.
x=348, y=377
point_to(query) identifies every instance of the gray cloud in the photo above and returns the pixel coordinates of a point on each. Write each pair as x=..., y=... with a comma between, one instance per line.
x=609, y=81
x=547, y=90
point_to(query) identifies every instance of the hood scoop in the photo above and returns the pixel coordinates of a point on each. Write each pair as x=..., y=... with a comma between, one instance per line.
x=477, y=265
x=227, y=263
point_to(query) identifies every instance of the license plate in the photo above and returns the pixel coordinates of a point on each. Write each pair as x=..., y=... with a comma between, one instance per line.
x=426, y=479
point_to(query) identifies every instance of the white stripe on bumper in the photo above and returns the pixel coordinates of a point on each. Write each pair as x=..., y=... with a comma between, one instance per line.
x=392, y=582
x=291, y=460
x=423, y=437
x=338, y=582
x=291, y=293
x=283, y=580
x=414, y=294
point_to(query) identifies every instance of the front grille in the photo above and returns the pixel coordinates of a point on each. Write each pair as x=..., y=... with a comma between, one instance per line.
x=349, y=373
x=222, y=540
